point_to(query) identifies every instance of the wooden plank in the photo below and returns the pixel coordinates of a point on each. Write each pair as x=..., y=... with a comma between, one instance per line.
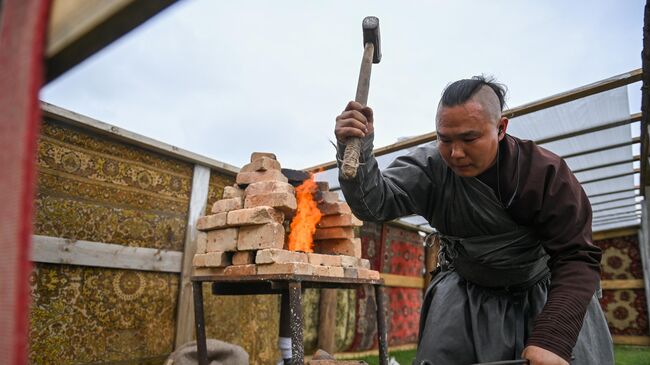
x=361, y=354
x=622, y=284
x=577, y=93
x=402, y=281
x=574, y=94
x=55, y=250
x=198, y=202
x=327, y=326
x=123, y=135
x=631, y=340
x=79, y=29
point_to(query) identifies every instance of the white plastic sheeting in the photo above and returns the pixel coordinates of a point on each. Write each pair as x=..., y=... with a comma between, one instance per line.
x=579, y=115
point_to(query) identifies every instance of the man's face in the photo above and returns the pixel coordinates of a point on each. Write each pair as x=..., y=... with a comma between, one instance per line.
x=467, y=138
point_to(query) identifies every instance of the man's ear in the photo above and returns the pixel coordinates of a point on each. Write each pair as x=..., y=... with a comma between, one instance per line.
x=503, y=127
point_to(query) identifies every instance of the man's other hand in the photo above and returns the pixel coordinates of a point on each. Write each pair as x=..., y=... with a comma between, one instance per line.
x=355, y=121
x=539, y=356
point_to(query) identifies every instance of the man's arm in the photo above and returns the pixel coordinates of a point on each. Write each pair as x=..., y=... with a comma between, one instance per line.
x=564, y=225
x=403, y=188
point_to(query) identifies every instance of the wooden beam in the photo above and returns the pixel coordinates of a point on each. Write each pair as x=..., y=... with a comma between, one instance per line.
x=361, y=354
x=614, y=233
x=198, y=202
x=327, y=326
x=631, y=340
x=104, y=129
x=645, y=99
x=622, y=284
x=403, y=281
x=79, y=29
x=578, y=93
x=55, y=250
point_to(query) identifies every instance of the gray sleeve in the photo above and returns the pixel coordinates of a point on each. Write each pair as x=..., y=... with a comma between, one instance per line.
x=405, y=187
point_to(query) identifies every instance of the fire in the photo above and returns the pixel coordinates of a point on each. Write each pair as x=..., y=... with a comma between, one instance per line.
x=307, y=216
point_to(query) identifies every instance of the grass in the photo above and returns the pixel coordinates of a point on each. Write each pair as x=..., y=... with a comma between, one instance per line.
x=625, y=355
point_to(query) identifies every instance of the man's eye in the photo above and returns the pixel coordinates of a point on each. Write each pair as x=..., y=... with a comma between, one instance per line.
x=472, y=139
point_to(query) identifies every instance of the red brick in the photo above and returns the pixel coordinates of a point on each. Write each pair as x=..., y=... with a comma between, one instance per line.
x=349, y=261
x=368, y=274
x=282, y=201
x=211, y=259
x=349, y=247
x=280, y=256
x=241, y=270
x=350, y=272
x=226, y=205
x=270, y=235
x=340, y=220
x=324, y=260
x=243, y=258
x=261, y=164
x=210, y=222
x=334, y=233
x=334, y=208
x=253, y=216
x=232, y=192
x=330, y=271
x=265, y=187
x=330, y=196
x=295, y=268
x=201, y=242
x=257, y=155
x=245, y=178
x=208, y=271
x=222, y=240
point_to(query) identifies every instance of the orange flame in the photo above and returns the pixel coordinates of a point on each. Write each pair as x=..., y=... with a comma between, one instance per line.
x=307, y=216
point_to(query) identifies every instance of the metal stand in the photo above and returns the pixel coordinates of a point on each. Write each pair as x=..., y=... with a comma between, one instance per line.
x=279, y=284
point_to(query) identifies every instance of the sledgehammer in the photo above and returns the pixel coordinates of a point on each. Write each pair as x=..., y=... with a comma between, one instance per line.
x=371, y=54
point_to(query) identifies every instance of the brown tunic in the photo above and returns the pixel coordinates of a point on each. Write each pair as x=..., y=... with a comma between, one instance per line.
x=549, y=199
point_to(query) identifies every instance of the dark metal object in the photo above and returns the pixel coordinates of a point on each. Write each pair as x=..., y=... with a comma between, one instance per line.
x=201, y=346
x=507, y=362
x=370, y=27
x=290, y=286
x=296, y=177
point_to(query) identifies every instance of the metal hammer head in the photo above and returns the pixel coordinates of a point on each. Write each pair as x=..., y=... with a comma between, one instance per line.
x=371, y=35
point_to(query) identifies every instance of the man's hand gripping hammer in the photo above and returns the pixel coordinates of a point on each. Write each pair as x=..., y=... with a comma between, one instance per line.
x=371, y=54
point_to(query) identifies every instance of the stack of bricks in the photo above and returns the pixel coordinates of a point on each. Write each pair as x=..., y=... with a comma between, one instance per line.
x=245, y=234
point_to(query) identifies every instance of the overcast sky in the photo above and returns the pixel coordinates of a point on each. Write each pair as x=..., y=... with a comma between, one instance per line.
x=225, y=78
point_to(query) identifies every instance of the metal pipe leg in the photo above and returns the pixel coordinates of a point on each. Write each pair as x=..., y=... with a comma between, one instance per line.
x=199, y=321
x=381, y=325
x=295, y=309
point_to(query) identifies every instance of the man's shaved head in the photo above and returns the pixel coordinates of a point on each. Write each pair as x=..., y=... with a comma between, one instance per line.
x=470, y=125
x=484, y=90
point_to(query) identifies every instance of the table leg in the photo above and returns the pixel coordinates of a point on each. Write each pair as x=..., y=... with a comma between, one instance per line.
x=199, y=320
x=381, y=325
x=295, y=301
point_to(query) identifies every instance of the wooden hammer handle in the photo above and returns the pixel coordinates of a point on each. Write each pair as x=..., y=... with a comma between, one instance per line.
x=353, y=146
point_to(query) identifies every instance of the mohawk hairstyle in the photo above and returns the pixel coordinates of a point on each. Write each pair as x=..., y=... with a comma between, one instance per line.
x=458, y=92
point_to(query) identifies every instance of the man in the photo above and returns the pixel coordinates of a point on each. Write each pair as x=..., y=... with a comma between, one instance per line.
x=518, y=271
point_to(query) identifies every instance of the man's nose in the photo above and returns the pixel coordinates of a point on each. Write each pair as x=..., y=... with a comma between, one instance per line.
x=457, y=151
